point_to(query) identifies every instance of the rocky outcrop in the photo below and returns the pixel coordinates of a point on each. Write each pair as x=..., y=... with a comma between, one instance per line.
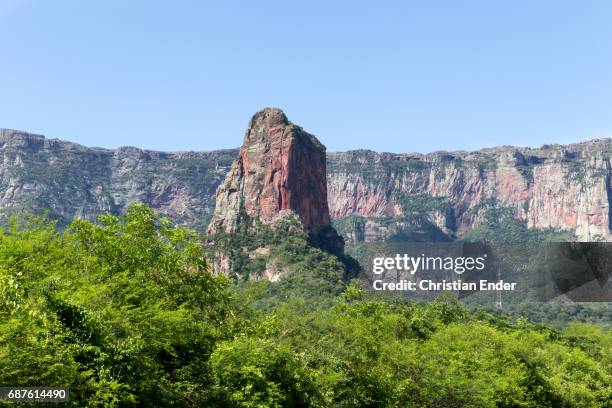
x=565, y=188
x=72, y=181
x=280, y=168
x=275, y=192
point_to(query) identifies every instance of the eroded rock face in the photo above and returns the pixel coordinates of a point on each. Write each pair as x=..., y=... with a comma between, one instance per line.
x=566, y=188
x=562, y=188
x=280, y=168
x=71, y=181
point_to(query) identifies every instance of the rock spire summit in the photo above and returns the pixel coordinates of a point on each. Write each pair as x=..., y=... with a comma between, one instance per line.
x=280, y=168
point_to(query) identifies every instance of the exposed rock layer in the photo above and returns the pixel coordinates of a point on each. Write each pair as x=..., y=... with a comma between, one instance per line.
x=280, y=167
x=72, y=181
x=559, y=187
x=554, y=187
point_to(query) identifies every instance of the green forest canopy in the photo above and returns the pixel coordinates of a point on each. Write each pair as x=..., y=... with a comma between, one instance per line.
x=124, y=312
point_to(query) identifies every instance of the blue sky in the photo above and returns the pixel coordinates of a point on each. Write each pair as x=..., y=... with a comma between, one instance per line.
x=389, y=76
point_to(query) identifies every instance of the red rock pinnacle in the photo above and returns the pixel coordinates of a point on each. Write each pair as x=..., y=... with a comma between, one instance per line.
x=280, y=167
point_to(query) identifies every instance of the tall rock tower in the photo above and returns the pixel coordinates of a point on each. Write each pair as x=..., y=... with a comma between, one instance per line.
x=280, y=169
x=275, y=190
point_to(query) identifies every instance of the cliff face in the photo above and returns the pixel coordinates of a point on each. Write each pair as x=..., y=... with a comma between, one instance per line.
x=72, y=181
x=280, y=168
x=553, y=187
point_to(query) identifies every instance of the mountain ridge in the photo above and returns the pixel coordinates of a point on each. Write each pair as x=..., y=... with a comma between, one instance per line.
x=10, y=133
x=561, y=187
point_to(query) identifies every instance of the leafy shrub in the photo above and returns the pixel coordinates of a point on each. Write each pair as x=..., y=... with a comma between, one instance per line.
x=126, y=313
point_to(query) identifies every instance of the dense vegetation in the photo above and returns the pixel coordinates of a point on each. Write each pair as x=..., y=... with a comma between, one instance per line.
x=124, y=312
x=310, y=266
x=560, y=315
x=501, y=226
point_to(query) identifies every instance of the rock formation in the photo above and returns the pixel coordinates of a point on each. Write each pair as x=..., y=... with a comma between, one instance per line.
x=280, y=169
x=275, y=192
x=567, y=188
x=72, y=181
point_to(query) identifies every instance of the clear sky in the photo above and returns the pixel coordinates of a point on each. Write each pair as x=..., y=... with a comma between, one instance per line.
x=389, y=76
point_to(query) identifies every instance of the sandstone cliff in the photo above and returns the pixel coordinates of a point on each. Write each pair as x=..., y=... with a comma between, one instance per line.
x=556, y=187
x=280, y=168
x=72, y=181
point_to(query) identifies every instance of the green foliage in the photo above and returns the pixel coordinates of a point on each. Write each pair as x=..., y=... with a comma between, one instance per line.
x=286, y=249
x=123, y=310
x=362, y=353
x=411, y=164
x=252, y=372
x=501, y=226
x=560, y=315
x=526, y=171
x=414, y=228
x=126, y=313
x=422, y=204
x=576, y=168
